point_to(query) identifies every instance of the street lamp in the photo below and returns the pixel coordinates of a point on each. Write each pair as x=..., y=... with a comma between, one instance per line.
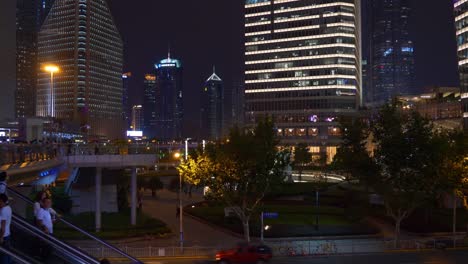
x=181, y=208
x=50, y=68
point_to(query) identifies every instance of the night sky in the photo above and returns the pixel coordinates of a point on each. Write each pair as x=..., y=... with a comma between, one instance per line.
x=204, y=33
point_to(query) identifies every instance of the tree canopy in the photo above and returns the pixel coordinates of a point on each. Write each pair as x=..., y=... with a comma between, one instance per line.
x=239, y=171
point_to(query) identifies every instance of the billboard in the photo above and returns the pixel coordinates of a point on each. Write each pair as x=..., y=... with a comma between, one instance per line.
x=131, y=133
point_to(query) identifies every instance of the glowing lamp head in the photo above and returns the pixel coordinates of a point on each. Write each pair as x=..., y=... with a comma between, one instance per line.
x=177, y=155
x=51, y=68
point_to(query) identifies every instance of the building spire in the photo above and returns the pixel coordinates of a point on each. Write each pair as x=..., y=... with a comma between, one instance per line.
x=169, y=51
x=214, y=69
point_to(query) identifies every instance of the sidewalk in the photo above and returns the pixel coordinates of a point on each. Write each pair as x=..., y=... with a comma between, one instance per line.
x=195, y=233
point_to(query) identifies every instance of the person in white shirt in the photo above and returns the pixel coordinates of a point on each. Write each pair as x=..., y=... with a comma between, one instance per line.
x=44, y=217
x=38, y=204
x=3, y=184
x=5, y=221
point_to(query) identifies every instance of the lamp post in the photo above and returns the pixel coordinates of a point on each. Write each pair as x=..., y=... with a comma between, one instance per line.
x=51, y=107
x=181, y=215
x=181, y=208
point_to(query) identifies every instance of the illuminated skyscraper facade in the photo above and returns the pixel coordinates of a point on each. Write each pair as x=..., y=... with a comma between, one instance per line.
x=81, y=38
x=149, y=106
x=212, y=108
x=390, y=51
x=169, y=94
x=127, y=109
x=30, y=15
x=461, y=23
x=137, y=118
x=303, y=67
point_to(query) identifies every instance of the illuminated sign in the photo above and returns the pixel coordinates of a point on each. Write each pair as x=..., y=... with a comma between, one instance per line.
x=132, y=133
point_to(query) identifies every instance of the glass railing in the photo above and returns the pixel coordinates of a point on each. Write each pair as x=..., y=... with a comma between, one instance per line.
x=42, y=247
x=77, y=237
x=17, y=257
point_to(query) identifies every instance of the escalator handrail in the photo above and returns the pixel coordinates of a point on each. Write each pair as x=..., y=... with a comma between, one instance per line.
x=102, y=242
x=51, y=239
x=17, y=258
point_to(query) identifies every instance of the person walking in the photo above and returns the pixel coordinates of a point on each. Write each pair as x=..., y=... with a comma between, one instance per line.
x=5, y=221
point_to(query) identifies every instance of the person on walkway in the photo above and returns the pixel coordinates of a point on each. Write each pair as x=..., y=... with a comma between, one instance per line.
x=3, y=184
x=5, y=221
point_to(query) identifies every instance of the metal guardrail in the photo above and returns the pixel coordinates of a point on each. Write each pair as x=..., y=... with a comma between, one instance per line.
x=149, y=252
x=106, y=245
x=290, y=248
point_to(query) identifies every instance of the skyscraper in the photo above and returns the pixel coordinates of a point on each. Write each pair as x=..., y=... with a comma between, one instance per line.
x=127, y=109
x=149, y=106
x=137, y=118
x=8, y=65
x=212, y=108
x=461, y=23
x=30, y=15
x=81, y=38
x=390, y=50
x=303, y=68
x=169, y=93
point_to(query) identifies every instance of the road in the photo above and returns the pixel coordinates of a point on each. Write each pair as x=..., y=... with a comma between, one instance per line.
x=448, y=257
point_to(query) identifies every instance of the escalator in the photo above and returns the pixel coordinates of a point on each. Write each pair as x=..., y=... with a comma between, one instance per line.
x=38, y=247
x=30, y=242
x=15, y=256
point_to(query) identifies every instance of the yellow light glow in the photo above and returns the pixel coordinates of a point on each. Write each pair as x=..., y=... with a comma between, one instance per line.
x=51, y=68
x=177, y=155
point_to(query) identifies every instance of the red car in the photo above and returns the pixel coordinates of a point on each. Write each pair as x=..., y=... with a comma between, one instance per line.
x=245, y=254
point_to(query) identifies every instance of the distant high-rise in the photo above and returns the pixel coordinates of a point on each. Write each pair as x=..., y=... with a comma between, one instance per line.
x=212, y=108
x=127, y=109
x=237, y=104
x=303, y=68
x=461, y=23
x=137, y=118
x=81, y=38
x=30, y=14
x=390, y=50
x=8, y=64
x=149, y=106
x=169, y=93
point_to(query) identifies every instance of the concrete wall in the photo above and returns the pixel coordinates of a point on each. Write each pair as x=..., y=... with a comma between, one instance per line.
x=8, y=59
x=84, y=200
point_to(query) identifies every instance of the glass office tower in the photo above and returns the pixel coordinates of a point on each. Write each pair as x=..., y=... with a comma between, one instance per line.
x=169, y=94
x=149, y=106
x=390, y=51
x=30, y=14
x=212, y=108
x=81, y=38
x=303, y=68
x=461, y=23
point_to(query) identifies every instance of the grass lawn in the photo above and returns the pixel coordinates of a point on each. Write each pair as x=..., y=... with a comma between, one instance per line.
x=293, y=220
x=115, y=226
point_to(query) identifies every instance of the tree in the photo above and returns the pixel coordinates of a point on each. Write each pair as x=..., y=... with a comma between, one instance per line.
x=154, y=184
x=352, y=155
x=405, y=157
x=302, y=156
x=240, y=171
x=452, y=165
